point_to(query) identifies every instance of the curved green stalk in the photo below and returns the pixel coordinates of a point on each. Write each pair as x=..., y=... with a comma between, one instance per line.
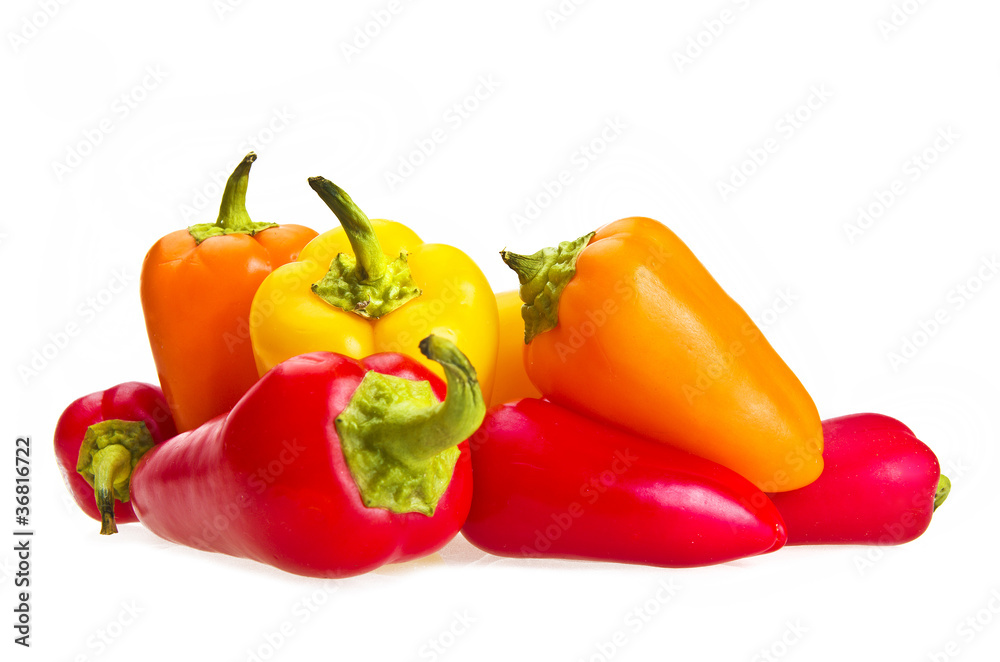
x=108, y=454
x=400, y=442
x=366, y=283
x=543, y=277
x=233, y=217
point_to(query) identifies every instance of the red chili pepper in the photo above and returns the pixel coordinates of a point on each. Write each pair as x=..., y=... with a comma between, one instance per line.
x=132, y=417
x=549, y=482
x=327, y=467
x=879, y=486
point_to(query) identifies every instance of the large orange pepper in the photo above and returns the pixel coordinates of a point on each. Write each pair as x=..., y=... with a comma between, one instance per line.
x=626, y=325
x=512, y=381
x=196, y=287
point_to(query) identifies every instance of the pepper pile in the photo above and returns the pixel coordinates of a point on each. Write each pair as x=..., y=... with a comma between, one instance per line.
x=324, y=407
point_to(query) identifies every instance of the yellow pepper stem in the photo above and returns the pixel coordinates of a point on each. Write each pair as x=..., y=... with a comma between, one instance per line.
x=371, y=262
x=366, y=283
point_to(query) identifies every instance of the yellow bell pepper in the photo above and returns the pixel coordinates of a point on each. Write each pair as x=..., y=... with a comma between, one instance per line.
x=373, y=286
x=512, y=381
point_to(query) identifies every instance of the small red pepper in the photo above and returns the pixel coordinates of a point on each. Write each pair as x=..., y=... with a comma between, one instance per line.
x=550, y=482
x=880, y=486
x=327, y=467
x=130, y=418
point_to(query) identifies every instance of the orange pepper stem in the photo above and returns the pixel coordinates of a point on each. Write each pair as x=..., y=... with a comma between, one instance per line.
x=233, y=216
x=543, y=276
x=371, y=262
x=233, y=210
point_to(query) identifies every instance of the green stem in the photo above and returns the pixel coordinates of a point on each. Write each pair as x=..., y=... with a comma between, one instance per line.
x=943, y=490
x=419, y=436
x=111, y=466
x=108, y=454
x=233, y=216
x=233, y=210
x=400, y=442
x=366, y=283
x=543, y=276
x=371, y=262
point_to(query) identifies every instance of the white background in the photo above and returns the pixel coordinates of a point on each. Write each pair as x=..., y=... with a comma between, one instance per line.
x=277, y=74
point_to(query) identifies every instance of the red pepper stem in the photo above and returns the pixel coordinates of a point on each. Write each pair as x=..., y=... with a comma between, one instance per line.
x=371, y=261
x=111, y=465
x=451, y=422
x=108, y=454
x=943, y=490
x=417, y=434
x=399, y=441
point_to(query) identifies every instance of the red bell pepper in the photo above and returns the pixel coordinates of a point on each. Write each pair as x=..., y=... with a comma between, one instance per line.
x=550, y=482
x=880, y=486
x=327, y=467
x=131, y=418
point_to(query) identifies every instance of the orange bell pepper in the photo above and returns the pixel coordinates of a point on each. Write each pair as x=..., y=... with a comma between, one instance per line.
x=626, y=325
x=512, y=381
x=196, y=287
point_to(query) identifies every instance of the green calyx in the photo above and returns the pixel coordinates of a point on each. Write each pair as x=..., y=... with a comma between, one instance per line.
x=399, y=442
x=233, y=216
x=108, y=454
x=543, y=276
x=943, y=490
x=342, y=287
x=366, y=283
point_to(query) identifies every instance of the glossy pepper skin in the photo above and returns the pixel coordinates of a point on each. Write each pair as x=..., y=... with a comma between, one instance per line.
x=512, y=381
x=274, y=481
x=196, y=287
x=880, y=486
x=373, y=286
x=548, y=482
x=627, y=326
x=142, y=406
